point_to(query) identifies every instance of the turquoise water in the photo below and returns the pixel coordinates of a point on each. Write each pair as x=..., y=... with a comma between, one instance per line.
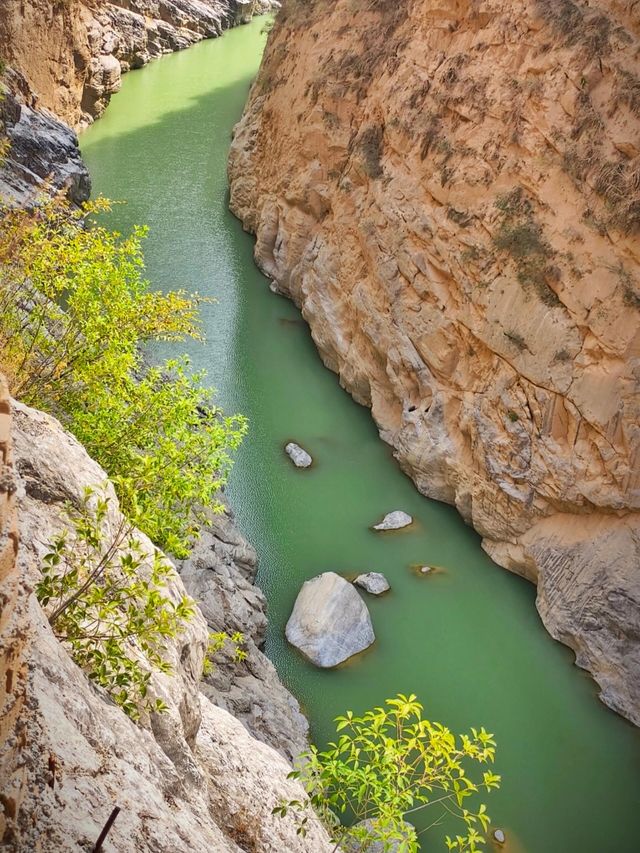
x=467, y=640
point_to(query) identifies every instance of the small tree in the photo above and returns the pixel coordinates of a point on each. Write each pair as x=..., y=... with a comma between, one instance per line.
x=385, y=766
x=106, y=600
x=75, y=316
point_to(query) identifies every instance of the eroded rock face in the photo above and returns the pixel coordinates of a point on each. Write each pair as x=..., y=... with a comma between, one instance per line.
x=220, y=575
x=330, y=622
x=192, y=779
x=42, y=152
x=449, y=192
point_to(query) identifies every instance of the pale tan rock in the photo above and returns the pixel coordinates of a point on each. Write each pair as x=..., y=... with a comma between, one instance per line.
x=447, y=191
x=181, y=780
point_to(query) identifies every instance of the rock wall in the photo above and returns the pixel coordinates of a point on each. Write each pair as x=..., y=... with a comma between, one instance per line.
x=13, y=639
x=191, y=779
x=450, y=191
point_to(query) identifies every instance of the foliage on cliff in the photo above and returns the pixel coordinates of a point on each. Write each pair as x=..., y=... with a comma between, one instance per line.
x=76, y=314
x=106, y=598
x=388, y=764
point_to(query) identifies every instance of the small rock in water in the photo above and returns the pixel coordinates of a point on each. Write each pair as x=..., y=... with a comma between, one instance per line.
x=298, y=455
x=373, y=582
x=394, y=521
x=425, y=570
x=499, y=836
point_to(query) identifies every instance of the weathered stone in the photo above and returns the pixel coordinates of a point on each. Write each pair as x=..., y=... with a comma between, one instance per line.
x=220, y=574
x=373, y=582
x=394, y=521
x=195, y=776
x=41, y=149
x=499, y=836
x=299, y=456
x=330, y=622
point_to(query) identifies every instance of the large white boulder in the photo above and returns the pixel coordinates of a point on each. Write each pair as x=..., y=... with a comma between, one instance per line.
x=330, y=622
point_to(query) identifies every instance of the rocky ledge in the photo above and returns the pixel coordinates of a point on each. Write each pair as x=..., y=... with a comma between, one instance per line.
x=449, y=191
x=193, y=778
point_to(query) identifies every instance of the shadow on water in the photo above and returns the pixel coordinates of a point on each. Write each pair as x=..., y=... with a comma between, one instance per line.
x=469, y=641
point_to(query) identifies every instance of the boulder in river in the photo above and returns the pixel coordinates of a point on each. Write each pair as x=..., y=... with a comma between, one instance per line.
x=394, y=521
x=373, y=582
x=298, y=455
x=330, y=622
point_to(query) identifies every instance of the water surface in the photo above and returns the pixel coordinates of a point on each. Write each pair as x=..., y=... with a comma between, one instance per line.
x=468, y=640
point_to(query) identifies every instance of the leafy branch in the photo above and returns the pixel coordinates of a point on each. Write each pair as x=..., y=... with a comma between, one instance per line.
x=107, y=599
x=389, y=764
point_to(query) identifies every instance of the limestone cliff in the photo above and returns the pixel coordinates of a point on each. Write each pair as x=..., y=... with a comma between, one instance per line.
x=450, y=191
x=194, y=779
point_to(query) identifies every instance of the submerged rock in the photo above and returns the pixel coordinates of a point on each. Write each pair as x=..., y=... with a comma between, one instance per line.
x=373, y=582
x=499, y=836
x=394, y=521
x=298, y=455
x=330, y=622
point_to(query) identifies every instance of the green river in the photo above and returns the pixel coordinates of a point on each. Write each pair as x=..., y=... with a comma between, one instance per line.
x=467, y=640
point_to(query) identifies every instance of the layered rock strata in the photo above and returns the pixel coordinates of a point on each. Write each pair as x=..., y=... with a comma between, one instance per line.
x=42, y=153
x=192, y=778
x=450, y=192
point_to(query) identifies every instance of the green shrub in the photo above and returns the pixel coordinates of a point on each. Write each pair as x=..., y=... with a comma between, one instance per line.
x=217, y=642
x=384, y=767
x=105, y=598
x=76, y=313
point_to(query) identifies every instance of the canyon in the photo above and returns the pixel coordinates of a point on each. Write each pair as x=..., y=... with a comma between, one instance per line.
x=449, y=191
